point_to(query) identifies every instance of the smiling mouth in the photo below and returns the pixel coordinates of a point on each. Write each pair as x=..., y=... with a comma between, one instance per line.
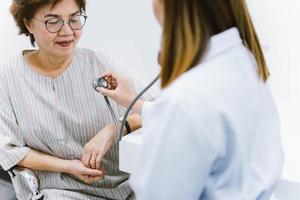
x=64, y=43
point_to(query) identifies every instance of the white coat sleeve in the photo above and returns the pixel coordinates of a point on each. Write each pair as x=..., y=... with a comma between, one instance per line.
x=180, y=148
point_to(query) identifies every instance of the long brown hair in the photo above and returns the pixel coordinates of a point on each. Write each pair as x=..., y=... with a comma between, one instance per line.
x=188, y=26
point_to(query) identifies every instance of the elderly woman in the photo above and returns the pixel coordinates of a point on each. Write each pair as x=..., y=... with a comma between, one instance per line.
x=52, y=121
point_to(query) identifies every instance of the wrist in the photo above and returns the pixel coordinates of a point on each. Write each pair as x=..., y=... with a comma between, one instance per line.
x=137, y=108
x=111, y=129
x=135, y=121
x=66, y=166
x=129, y=101
x=127, y=128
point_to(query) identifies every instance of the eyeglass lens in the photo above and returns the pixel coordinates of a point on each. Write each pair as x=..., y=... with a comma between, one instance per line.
x=55, y=24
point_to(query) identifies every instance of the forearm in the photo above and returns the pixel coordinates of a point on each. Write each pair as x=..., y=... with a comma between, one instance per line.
x=41, y=161
x=137, y=108
x=134, y=121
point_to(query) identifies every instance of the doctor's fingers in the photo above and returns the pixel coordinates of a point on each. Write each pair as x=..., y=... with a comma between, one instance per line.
x=111, y=76
x=107, y=92
x=116, y=79
x=112, y=85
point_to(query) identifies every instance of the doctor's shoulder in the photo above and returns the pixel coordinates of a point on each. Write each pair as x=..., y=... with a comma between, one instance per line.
x=197, y=84
x=190, y=93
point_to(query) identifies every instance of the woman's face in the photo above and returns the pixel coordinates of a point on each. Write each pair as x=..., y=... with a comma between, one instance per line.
x=158, y=11
x=62, y=43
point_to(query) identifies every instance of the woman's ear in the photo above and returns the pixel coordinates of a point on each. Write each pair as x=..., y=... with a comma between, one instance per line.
x=158, y=8
x=28, y=25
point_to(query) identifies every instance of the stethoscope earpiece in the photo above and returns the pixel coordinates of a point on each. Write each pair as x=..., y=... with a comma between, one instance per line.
x=100, y=82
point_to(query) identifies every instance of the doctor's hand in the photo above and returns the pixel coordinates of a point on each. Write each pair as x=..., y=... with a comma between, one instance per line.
x=119, y=89
x=87, y=175
x=98, y=146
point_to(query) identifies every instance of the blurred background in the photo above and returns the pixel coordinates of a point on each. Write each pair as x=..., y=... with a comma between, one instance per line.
x=128, y=32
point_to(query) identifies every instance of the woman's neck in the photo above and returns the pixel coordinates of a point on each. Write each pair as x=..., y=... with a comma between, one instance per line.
x=48, y=65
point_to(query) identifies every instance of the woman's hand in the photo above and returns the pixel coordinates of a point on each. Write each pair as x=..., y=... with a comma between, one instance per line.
x=97, y=147
x=87, y=175
x=119, y=89
x=40, y=161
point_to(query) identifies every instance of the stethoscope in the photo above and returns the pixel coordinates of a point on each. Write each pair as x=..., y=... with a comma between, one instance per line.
x=102, y=82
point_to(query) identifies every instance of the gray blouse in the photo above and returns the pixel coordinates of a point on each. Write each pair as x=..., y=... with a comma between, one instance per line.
x=58, y=116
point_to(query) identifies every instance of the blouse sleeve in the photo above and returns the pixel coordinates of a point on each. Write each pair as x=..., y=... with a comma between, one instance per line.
x=12, y=145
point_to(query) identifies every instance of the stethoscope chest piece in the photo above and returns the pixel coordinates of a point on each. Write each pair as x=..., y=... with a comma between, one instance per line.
x=100, y=82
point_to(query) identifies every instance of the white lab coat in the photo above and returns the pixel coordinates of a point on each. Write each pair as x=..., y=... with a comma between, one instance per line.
x=214, y=133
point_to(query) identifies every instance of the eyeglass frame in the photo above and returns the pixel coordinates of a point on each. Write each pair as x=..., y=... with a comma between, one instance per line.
x=63, y=23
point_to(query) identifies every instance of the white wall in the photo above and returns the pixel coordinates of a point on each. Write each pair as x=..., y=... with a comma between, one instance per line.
x=278, y=25
x=127, y=31
x=10, y=43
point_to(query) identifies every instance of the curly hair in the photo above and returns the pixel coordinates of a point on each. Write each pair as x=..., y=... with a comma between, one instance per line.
x=24, y=10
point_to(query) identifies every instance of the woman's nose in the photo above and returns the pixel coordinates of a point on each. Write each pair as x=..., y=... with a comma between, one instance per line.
x=66, y=29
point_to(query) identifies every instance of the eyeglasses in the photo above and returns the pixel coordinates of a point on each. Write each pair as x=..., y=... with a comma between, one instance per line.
x=54, y=25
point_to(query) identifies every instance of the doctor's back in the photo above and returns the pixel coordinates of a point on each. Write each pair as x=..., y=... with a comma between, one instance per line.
x=214, y=133
x=218, y=131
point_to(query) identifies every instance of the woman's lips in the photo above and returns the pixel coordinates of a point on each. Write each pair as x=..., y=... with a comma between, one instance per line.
x=64, y=43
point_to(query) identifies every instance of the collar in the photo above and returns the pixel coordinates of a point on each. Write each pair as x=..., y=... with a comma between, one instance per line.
x=221, y=42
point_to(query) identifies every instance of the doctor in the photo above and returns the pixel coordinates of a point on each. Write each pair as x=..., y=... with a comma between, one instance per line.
x=214, y=131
